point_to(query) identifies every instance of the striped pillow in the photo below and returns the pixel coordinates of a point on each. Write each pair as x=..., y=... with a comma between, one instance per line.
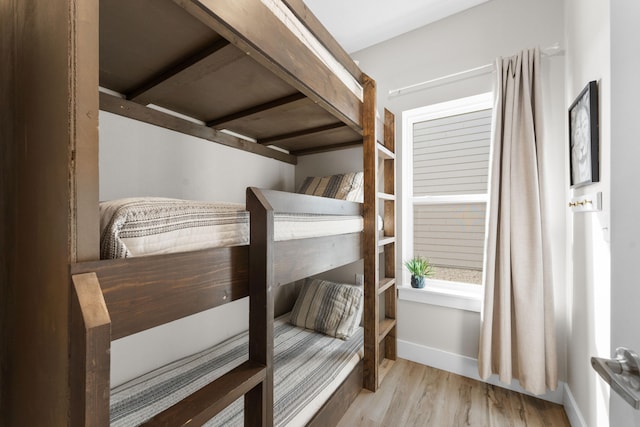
x=330, y=308
x=356, y=194
x=347, y=186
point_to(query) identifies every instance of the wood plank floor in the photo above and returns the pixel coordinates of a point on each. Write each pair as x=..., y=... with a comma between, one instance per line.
x=418, y=395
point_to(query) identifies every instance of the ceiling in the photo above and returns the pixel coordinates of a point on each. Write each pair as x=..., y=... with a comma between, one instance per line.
x=358, y=24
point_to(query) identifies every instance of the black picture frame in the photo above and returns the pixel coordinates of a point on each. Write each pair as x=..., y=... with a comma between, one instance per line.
x=584, y=131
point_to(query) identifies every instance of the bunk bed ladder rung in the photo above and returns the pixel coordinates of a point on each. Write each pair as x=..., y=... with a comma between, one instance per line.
x=386, y=240
x=385, y=327
x=205, y=403
x=384, y=152
x=385, y=284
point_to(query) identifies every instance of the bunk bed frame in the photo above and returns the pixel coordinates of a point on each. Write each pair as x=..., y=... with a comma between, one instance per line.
x=117, y=298
x=286, y=86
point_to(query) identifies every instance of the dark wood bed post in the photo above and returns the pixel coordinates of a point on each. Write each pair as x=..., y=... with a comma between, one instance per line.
x=90, y=345
x=259, y=401
x=89, y=340
x=371, y=309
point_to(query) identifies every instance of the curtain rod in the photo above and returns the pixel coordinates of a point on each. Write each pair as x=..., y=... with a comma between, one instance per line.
x=553, y=50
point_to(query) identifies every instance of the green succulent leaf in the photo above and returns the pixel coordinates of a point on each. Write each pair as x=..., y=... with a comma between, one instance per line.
x=419, y=266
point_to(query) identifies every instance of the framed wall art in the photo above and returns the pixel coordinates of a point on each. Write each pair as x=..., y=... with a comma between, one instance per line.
x=583, y=137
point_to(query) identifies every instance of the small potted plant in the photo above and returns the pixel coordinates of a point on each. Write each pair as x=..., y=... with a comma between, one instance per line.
x=419, y=268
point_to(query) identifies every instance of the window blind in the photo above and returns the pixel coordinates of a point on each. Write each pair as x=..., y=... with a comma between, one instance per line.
x=451, y=154
x=451, y=157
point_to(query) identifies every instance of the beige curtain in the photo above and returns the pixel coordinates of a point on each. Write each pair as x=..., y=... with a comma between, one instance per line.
x=517, y=338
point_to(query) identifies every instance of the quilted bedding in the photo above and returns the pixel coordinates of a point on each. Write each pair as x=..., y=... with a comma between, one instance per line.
x=308, y=368
x=151, y=226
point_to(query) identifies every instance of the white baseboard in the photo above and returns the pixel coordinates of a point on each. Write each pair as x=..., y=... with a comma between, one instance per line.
x=465, y=366
x=571, y=408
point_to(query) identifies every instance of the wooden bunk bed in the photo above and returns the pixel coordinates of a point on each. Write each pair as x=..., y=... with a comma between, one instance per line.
x=131, y=295
x=249, y=74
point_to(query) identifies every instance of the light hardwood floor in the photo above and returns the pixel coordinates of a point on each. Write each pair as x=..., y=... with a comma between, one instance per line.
x=417, y=395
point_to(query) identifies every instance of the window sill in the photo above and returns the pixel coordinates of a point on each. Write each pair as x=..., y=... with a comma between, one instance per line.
x=460, y=296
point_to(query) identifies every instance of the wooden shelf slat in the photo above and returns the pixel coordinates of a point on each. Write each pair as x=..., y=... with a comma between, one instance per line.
x=385, y=284
x=205, y=403
x=386, y=196
x=385, y=327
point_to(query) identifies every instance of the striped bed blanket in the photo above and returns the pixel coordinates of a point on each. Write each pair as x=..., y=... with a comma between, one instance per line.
x=308, y=368
x=153, y=225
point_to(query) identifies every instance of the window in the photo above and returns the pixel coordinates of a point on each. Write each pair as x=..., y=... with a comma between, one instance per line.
x=446, y=167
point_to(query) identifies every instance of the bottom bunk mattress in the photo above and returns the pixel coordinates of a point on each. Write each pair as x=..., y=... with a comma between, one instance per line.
x=308, y=368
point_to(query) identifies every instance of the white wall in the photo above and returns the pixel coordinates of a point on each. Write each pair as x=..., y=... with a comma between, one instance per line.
x=329, y=163
x=138, y=159
x=588, y=251
x=467, y=40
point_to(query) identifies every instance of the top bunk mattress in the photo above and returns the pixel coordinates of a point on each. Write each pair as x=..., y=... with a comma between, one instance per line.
x=153, y=225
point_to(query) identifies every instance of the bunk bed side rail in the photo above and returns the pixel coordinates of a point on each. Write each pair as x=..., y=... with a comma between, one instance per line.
x=300, y=258
x=89, y=348
x=335, y=408
x=144, y=292
x=307, y=17
x=285, y=202
x=199, y=407
x=326, y=253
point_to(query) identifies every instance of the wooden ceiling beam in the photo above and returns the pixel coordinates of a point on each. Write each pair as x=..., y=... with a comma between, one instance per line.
x=257, y=109
x=272, y=139
x=138, y=94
